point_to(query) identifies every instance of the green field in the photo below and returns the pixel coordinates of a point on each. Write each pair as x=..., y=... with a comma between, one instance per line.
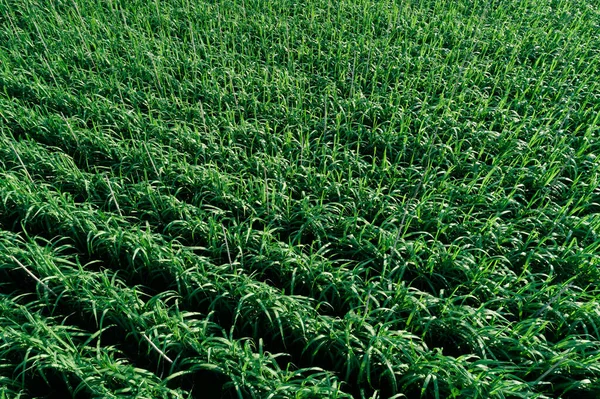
x=300, y=199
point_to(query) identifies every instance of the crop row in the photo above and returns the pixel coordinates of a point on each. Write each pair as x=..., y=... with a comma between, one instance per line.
x=142, y=250
x=349, y=345
x=253, y=305
x=49, y=348
x=186, y=341
x=151, y=202
x=353, y=235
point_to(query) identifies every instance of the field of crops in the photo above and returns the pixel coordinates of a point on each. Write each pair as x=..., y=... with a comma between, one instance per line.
x=285, y=199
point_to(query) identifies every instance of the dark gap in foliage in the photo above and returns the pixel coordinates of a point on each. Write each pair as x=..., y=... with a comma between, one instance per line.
x=14, y=282
x=581, y=393
x=449, y=341
x=52, y=385
x=205, y=384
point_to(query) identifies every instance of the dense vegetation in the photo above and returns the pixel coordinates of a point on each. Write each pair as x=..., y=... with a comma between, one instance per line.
x=284, y=199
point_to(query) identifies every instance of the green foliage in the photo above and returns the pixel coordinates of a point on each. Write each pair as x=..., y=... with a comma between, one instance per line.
x=326, y=199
